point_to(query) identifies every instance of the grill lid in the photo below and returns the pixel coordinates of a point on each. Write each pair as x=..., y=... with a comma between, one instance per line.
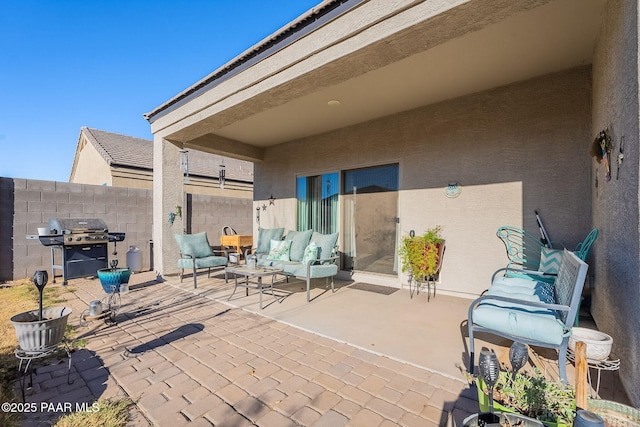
x=74, y=225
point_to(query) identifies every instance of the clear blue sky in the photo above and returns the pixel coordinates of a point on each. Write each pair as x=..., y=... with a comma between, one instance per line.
x=65, y=64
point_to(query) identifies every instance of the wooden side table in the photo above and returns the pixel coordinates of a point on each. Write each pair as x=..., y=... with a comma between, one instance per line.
x=236, y=241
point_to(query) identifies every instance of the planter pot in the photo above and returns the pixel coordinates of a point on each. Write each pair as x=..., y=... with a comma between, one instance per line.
x=509, y=419
x=598, y=343
x=112, y=278
x=36, y=336
x=615, y=414
x=483, y=401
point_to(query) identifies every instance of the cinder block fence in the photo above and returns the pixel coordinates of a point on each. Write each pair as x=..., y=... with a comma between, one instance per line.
x=28, y=204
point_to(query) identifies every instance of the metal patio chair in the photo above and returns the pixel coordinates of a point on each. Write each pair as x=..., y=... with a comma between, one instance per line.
x=195, y=253
x=533, y=312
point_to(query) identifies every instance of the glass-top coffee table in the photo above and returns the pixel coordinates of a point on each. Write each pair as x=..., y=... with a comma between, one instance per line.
x=252, y=273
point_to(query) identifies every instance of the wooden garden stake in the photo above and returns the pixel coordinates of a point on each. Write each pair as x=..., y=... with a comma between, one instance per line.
x=581, y=375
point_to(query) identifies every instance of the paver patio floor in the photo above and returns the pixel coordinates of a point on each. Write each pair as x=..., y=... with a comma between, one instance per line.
x=190, y=357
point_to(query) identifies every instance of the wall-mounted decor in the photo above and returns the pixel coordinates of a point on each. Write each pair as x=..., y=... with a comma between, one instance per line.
x=173, y=215
x=184, y=164
x=601, y=150
x=452, y=190
x=620, y=156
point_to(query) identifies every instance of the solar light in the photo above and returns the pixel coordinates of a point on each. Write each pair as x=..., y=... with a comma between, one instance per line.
x=40, y=279
x=489, y=368
x=518, y=356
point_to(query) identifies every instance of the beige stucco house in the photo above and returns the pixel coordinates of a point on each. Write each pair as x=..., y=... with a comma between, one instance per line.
x=116, y=160
x=366, y=111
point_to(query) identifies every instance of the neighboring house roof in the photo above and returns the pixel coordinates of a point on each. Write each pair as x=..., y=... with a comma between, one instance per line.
x=129, y=151
x=305, y=23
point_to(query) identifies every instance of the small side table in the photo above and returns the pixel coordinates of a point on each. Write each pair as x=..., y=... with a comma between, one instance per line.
x=612, y=363
x=252, y=273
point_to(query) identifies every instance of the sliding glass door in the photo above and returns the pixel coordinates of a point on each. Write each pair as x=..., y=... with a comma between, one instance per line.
x=369, y=214
x=370, y=210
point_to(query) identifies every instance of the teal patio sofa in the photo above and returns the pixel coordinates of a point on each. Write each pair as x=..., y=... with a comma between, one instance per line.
x=305, y=255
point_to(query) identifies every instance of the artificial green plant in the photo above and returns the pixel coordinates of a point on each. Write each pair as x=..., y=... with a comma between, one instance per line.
x=420, y=254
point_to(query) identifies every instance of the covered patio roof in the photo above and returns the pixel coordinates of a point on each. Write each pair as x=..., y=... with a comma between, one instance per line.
x=377, y=60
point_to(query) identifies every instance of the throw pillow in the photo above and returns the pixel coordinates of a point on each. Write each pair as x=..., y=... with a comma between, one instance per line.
x=265, y=235
x=279, y=250
x=310, y=253
x=299, y=241
x=325, y=242
x=550, y=260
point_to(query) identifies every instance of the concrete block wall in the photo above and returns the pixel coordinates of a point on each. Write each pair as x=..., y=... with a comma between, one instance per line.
x=27, y=204
x=212, y=214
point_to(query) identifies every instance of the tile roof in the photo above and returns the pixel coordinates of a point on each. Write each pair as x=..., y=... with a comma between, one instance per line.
x=130, y=151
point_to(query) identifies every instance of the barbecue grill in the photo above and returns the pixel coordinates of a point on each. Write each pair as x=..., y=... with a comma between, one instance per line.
x=83, y=246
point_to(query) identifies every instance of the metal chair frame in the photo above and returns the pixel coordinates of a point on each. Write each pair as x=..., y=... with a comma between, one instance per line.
x=568, y=291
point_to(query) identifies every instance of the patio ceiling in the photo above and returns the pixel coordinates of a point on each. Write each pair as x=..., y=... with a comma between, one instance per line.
x=408, y=69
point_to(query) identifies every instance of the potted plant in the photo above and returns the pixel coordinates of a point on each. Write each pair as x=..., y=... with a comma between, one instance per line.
x=40, y=330
x=532, y=395
x=421, y=255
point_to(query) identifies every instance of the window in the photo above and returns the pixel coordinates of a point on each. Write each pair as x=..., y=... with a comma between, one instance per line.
x=318, y=203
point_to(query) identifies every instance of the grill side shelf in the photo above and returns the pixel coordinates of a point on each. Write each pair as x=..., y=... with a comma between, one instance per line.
x=52, y=240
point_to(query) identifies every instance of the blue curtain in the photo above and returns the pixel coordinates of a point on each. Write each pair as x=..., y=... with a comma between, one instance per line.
x=318, y=203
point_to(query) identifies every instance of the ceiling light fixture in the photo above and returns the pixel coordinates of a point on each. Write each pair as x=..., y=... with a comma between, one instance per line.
x=334, y=103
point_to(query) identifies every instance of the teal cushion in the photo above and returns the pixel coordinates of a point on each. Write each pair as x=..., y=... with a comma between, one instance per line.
x=539, y=326
x=279, y=250
x=310, y=253
x=277, y=264
x=550, y=260
x=522, y=320
x=544, y=292
x=206, y=262
x=265, y=236
x=526, y=282
x=299, y=241
x=194, y=244
x=325, y=243
x=316, y=271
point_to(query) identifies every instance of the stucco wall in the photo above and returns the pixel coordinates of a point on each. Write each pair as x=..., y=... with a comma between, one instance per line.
x=513, y=149
x=616, y=293
x=26, y=205
x=91, y=167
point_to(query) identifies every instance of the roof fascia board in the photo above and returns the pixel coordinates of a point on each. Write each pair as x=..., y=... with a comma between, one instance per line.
x=216, y=144
x=264, y=49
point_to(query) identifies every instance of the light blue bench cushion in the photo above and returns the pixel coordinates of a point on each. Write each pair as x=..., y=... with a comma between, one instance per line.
x=543, y=291
x=325, y=243
x=299, y=241
x=514, y=281
x=194, y=244
x=265, y=236
x=533, y=323
x=323, y=270
x=206, y=262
